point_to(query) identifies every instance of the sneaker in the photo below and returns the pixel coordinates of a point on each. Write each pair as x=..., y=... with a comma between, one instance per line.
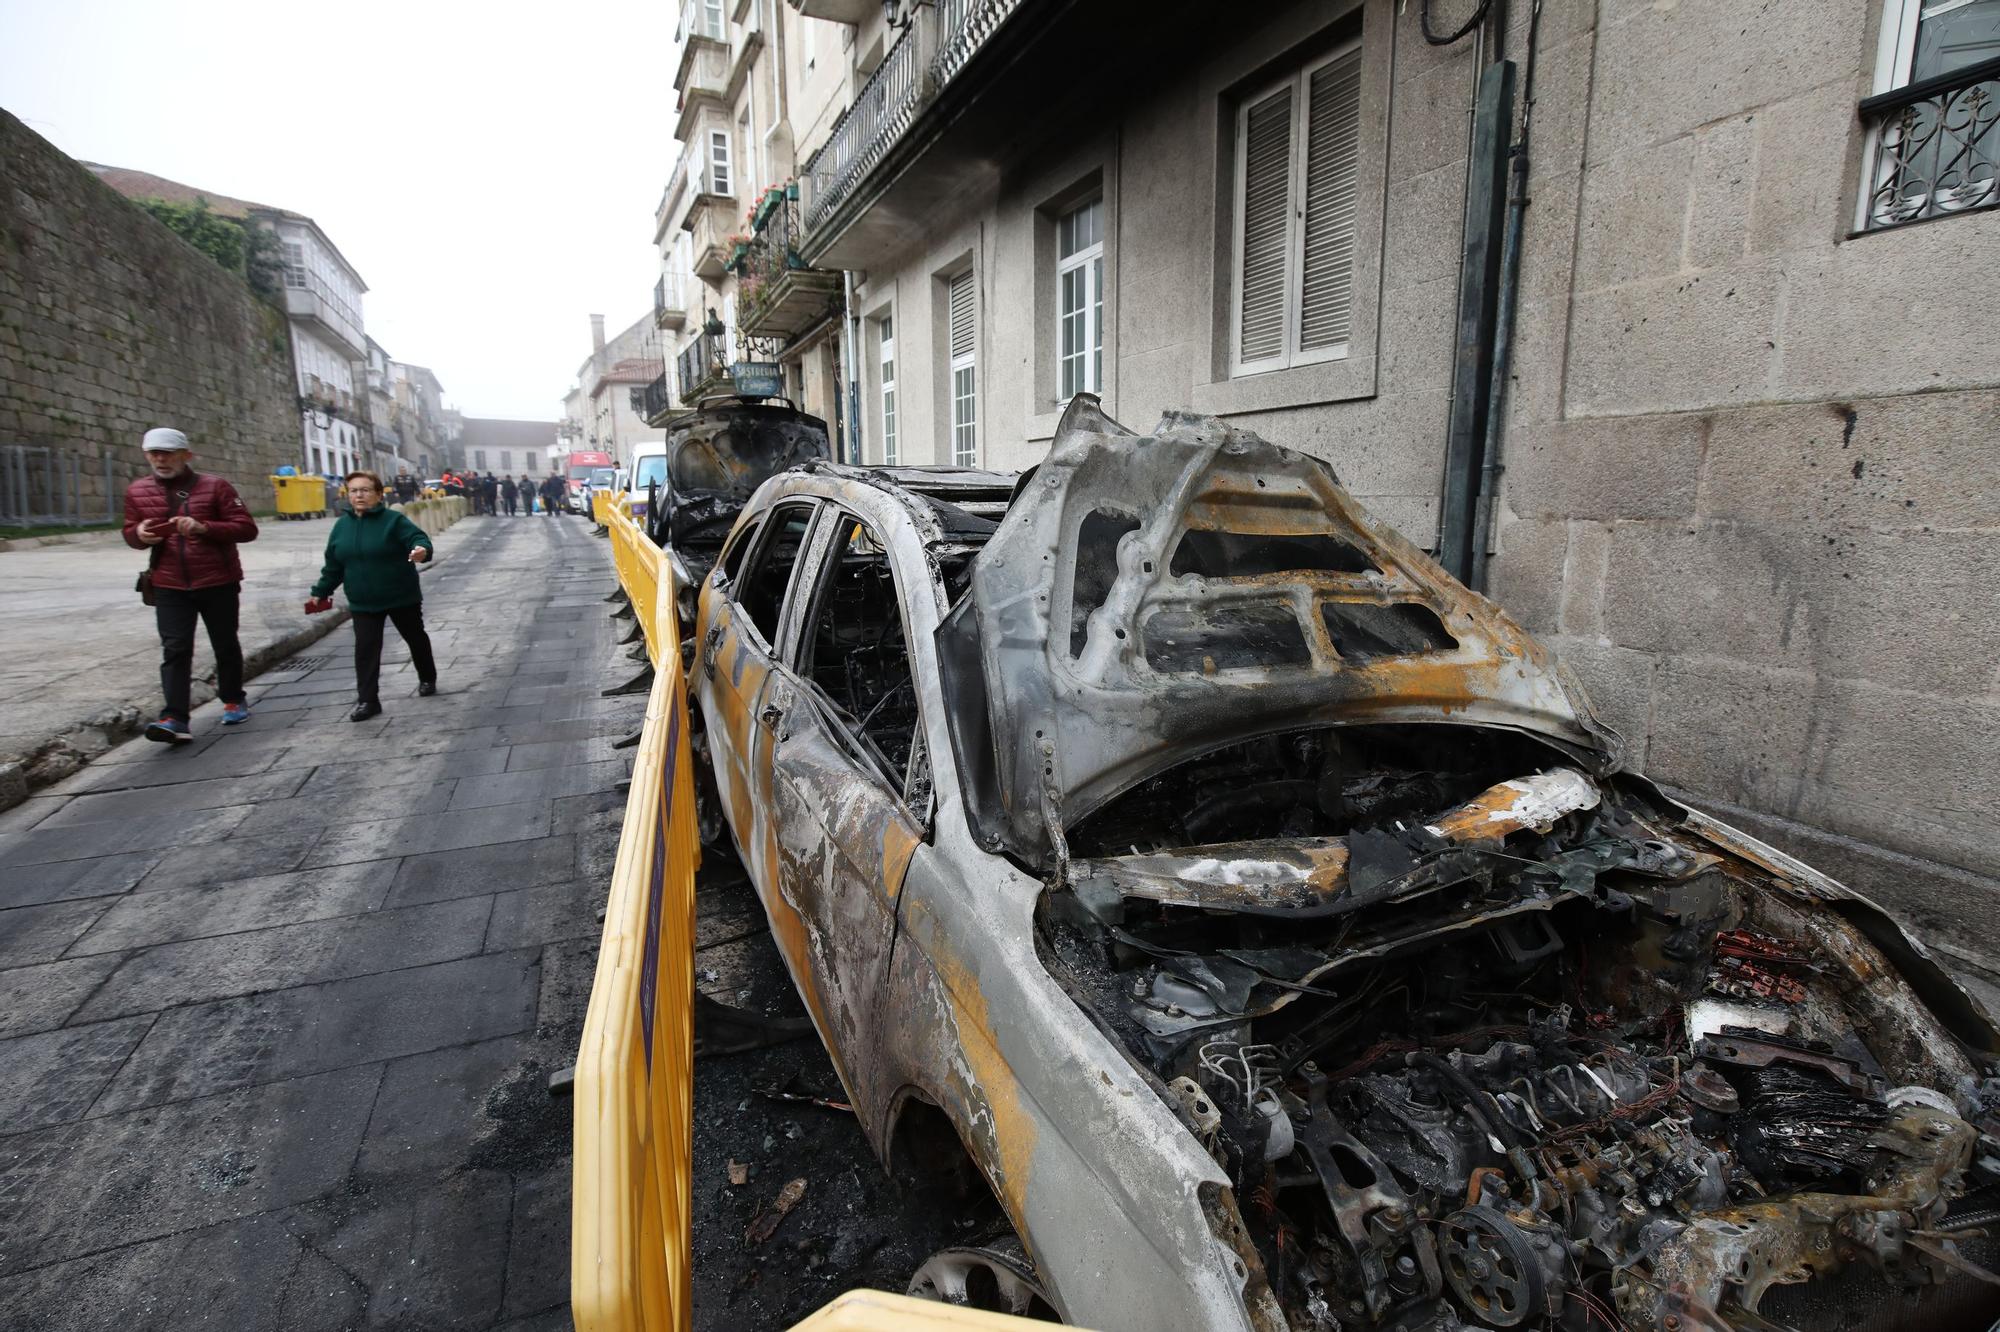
x=363, y=711
x=425, y=688
x=235, y=714
x=170, y=731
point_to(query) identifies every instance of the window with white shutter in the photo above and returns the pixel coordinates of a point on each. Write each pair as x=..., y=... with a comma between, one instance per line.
x=964, y=375
x=1297, y=179
x=887, y=329
x=719, y=175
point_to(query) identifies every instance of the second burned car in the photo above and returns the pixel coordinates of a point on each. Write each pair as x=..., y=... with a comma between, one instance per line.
x=1271, y=922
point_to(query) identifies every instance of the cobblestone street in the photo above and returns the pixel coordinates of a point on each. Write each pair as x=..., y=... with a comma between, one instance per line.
x=278, y=1009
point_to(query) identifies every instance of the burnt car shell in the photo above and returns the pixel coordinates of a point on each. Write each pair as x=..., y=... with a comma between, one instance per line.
x=1285, y=941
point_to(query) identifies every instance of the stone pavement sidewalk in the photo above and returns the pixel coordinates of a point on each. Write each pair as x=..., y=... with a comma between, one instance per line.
x=278, y=1009
x=82, y=649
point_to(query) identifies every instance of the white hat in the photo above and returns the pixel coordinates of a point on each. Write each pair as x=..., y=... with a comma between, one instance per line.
x=163, y=440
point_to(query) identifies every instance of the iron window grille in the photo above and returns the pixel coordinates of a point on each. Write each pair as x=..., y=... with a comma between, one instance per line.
x=1933, y=146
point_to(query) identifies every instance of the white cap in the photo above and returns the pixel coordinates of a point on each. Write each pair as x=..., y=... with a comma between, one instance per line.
x=163, y=440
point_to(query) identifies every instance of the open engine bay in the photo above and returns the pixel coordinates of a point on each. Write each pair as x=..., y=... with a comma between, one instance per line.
x=1485, y=1041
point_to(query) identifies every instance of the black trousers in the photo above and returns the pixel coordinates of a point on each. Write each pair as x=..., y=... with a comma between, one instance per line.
x=176, y=611
x=409, y=622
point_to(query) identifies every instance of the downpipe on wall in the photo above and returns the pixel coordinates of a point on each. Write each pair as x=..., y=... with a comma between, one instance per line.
x=1494, y=436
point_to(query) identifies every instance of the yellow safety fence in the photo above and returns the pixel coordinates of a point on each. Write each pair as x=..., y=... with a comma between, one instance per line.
x=630, y=1223
x=602, y=502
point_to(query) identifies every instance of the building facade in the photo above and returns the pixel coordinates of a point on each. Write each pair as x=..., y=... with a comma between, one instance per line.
x=322, y=302
x=507, y=447
x=1688, y=365
x=751, y=76
x=605, y=410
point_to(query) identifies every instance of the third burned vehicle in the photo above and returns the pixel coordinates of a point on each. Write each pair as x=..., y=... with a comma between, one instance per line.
x=1270, y=921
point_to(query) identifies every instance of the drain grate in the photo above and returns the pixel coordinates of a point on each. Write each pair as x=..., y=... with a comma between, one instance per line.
x=312, y=663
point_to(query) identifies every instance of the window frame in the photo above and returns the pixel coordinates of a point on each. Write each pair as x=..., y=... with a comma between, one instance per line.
x=833, y=518
x=965, y=364
x=721, y=165
x=1299, y=83
x=885, y=398
x=1895, y=66
x=1089, y=260
x=767, y=531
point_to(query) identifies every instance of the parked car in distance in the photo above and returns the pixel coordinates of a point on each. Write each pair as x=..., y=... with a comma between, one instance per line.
x=1275, y=928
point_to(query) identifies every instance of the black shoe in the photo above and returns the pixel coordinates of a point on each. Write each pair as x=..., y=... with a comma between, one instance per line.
x=425, y=688
x=363, y=711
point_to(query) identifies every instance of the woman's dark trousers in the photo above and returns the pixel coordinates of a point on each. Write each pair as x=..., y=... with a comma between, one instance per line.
x=409, y=622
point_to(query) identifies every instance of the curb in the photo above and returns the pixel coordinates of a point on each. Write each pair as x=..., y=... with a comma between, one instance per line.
x=70, y=749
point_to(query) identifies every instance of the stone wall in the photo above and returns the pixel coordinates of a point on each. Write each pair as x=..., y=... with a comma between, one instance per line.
x=1752, y=490
x=110, y=324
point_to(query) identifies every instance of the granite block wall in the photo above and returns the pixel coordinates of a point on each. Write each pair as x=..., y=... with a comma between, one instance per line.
x=110, y=324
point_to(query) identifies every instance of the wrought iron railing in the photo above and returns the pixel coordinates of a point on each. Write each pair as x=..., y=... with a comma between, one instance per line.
x=657, y=398
x=963, y=27
x=699, y=362
x=882, y=110
x=1934, y=147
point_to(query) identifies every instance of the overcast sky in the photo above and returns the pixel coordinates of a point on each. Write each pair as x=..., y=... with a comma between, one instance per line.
x=490, y=169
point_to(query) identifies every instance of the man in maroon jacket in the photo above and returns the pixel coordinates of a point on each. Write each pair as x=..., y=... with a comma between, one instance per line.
x=192, y=524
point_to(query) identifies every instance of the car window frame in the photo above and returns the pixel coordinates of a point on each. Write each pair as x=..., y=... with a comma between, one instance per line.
x=748, y=533
x=896, y=786
x=769, y=527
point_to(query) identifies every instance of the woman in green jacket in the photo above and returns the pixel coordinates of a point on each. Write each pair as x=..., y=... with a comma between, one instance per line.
x=375, y=551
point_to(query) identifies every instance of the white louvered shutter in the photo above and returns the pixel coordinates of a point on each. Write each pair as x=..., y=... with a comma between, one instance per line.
x=1332, y=161
x=961, y=316
x=1266, y=211
x=964, y=374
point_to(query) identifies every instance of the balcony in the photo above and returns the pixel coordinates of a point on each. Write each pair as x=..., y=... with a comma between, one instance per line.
x=700, y=369
x=670, y=301
x=309, y=299
x=1933, y=147
x=703, y=79
x=971, y=91
x=656, y=404
x=837, y=11
x=777, y=295
x=709, y=224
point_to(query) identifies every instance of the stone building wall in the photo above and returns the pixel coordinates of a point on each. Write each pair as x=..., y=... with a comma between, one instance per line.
x=110, y=324
x=1753, y=488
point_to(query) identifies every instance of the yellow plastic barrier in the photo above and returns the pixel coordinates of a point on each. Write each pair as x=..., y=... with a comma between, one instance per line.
x=300, y=496
x=629, y=1212
x=630, y=1219
x=601, y=504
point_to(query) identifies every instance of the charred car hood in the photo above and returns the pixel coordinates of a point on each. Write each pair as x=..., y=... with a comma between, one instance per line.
x=1147, y=598
x=717, y=458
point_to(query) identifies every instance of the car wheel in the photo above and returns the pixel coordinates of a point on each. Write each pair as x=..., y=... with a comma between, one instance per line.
x=994, y=1278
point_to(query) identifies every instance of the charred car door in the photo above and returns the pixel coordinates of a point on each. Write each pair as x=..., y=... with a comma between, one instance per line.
x=738, y=650
x=845, y=759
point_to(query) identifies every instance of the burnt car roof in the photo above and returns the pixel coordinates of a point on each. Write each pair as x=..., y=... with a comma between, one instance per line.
x=1151, y=597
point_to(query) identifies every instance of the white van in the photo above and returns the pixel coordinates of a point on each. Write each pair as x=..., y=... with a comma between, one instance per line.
x=649, y=468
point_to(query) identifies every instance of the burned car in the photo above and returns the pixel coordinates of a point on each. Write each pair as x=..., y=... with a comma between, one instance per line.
x=714, y=458
x=1272, y=924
